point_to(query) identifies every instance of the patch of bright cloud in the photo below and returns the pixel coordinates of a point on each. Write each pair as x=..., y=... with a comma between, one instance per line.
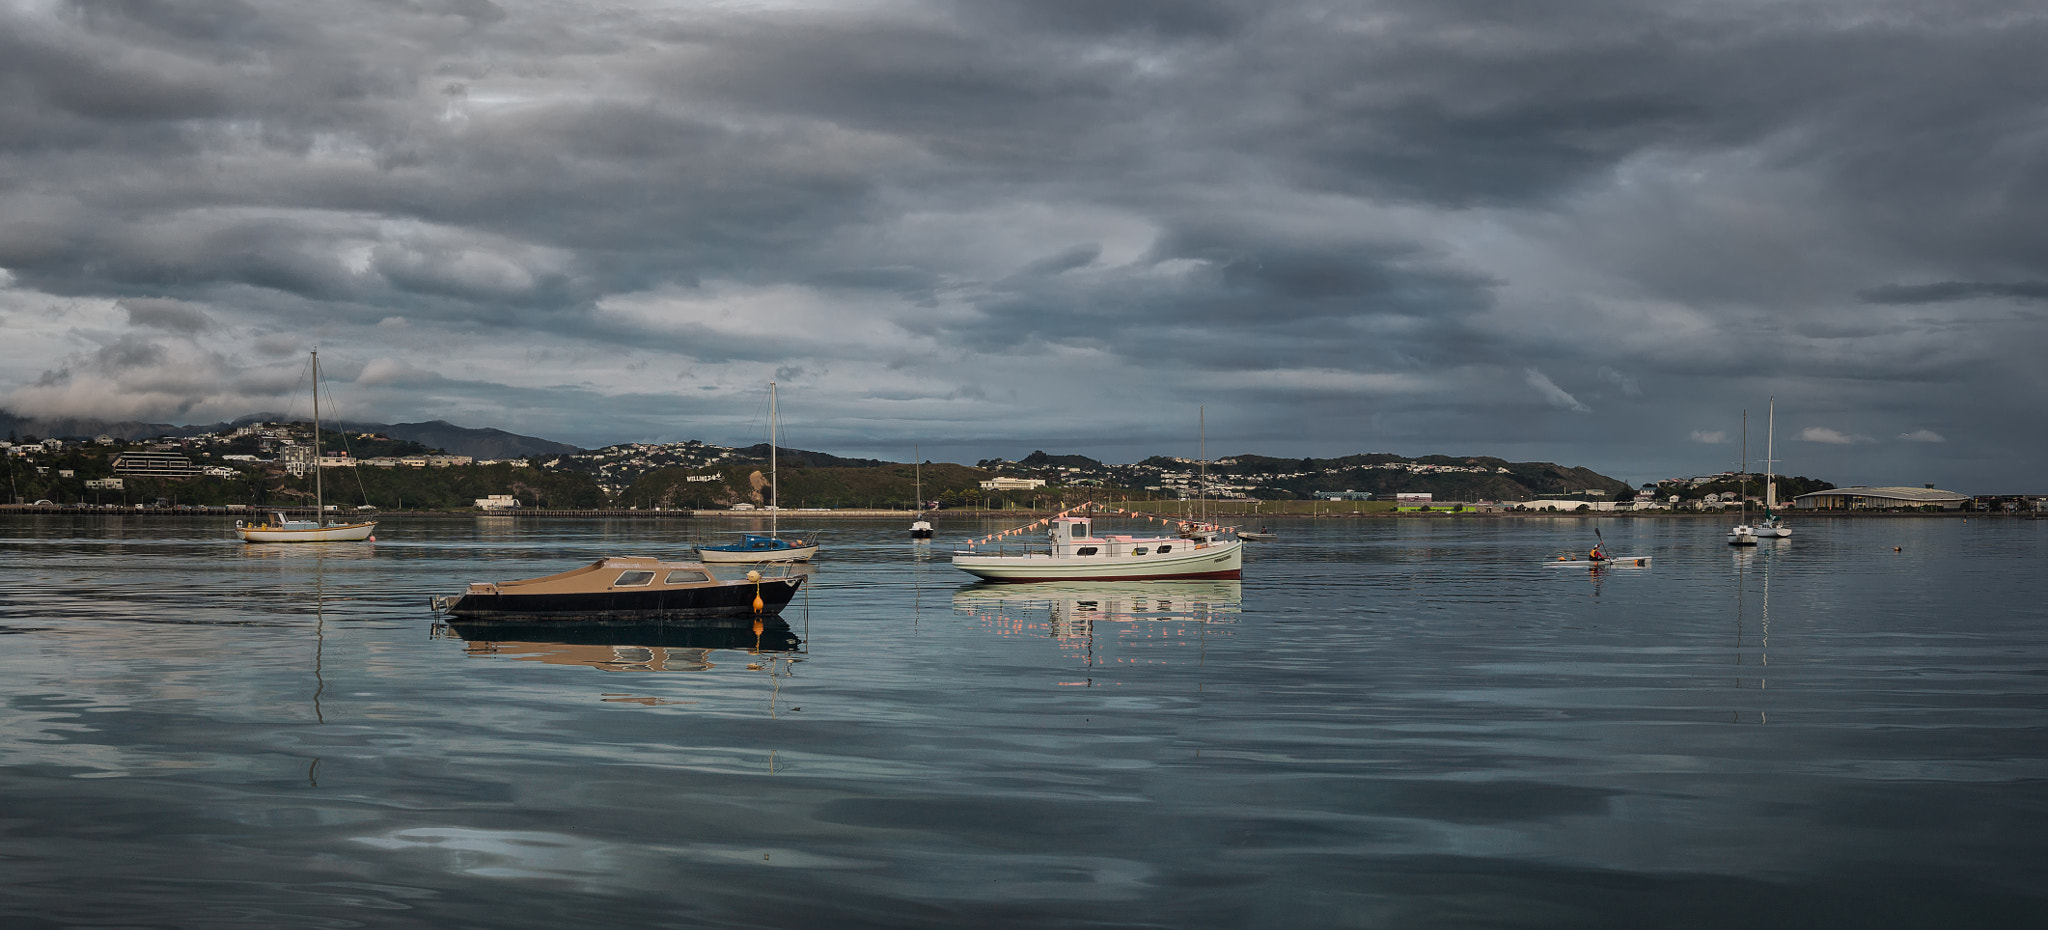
x=1554, y=395
x=1710, y=436
x=1922, y=435
x=1830, y=436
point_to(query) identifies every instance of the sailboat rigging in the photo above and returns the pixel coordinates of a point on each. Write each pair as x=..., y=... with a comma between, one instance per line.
x=919, y=528
x=1743, y=534
x=754, y=547
x=1772, y=527
x=318, y=529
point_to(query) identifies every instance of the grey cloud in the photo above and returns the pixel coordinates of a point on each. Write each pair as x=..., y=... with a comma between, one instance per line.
x=1697, y=197
x=1952, y=291
x=1080, y=256
x=1096, y=18
x=169, y=315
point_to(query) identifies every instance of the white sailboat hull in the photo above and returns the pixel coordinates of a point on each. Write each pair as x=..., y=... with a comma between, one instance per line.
x=1220, y=559
x=339, y=532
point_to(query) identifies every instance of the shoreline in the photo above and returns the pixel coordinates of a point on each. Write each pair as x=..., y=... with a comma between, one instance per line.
x=1025, y=515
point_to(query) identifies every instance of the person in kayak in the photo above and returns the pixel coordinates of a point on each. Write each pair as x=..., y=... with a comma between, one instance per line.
x=1598, y=554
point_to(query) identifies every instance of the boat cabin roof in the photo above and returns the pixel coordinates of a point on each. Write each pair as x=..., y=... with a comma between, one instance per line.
x=616, y=571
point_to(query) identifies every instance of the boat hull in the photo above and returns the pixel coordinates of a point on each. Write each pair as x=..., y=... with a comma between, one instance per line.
x=347, y=532
x=1221, y=560
x=738, y=556
x=726, y=599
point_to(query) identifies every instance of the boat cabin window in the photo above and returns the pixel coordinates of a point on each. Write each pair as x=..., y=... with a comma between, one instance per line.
x=633, y=579
x=1165, y=549
x=1141, y=550
x=1085, y=550
x=685, y=576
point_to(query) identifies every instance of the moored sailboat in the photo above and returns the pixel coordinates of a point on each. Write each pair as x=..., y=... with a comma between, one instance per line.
x=281, y=529
x=1772, y=526
x=1743, y=534
x=756, y=547
x=919, y=528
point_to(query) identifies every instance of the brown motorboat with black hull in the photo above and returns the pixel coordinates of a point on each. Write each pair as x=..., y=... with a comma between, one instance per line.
x=624, y=589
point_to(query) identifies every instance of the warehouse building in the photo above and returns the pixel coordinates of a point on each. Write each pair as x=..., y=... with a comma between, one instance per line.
x=1862, y=498
x=155, y=464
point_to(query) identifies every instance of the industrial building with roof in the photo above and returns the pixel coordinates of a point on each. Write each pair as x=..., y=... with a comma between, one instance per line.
x=155, y=464
x=1862, y=498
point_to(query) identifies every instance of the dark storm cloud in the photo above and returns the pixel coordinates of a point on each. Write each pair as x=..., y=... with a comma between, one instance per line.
x=1423, y=226
x=1094, y=18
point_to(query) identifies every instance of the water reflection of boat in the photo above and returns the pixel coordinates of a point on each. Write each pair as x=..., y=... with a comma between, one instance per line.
x=682, y=646
x=624, y=589
x=307, y=553
x=1073, y=603
x=1756, y=638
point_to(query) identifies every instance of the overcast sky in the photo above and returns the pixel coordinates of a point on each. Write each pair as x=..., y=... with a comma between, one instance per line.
x=1585, y=232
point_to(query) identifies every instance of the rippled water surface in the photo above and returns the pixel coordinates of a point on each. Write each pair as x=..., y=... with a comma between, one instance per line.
x=1387, y=723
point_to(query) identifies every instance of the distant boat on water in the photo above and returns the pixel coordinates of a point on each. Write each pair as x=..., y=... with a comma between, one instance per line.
x=919, y=528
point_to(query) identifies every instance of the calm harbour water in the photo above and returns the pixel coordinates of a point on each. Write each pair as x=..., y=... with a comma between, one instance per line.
x=1386, y=723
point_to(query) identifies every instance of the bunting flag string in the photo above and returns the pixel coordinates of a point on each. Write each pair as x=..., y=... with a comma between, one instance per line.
x=1091, y=507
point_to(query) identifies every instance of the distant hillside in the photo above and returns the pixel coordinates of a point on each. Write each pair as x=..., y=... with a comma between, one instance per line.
x=437, y=434
x=1060, y=461
x=476, y=443
x=889, y=485
x=81, y=428
x=1447, y=477
x=788, y=456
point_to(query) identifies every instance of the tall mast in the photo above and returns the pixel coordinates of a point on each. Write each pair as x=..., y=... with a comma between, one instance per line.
x=774, y=503
x=1744, y=484
x=1770, y=457
x=1202, y=449
x=319, y=502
